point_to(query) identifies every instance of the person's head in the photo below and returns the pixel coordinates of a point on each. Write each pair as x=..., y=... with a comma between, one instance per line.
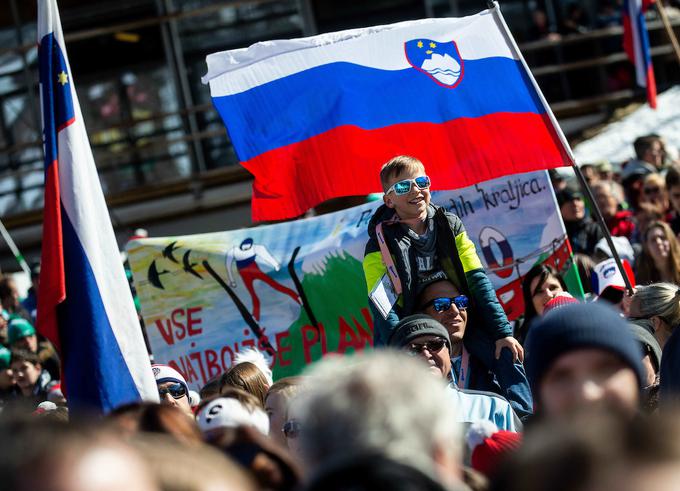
x=654, y=191
x=571, y=204
x=246, y=244
x=443, y=302
x=583, y=356
x=406, y=187
x=660, y=304
x=270, y=464
x=540, y=285
x=238, y=410
x=423, y=337
x=246, y=376
x=211, y=388
x=26, y=369
x=48, y=455
x=650, y=149
x=172, y=388
x=660, y=256
x=673, y=187
x=201, y=468
x=276, y=405
x=6, y=377
x=595, y=451
x=9, y=295
x=146, y=417
x=643, y=331
x=379, y=403
x=21, y=334
x=608, y=197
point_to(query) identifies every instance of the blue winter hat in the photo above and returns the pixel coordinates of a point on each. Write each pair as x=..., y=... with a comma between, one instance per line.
x=579, y=326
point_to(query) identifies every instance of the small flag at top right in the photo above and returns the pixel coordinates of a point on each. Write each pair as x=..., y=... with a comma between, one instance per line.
x=636, y=45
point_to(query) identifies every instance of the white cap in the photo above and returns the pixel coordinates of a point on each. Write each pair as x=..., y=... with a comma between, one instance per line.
x=607, y=275
x=165, y=373
x=225, y=412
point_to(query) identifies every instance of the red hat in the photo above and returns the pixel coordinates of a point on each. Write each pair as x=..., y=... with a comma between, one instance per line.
x=489, y=445
x=560, y=300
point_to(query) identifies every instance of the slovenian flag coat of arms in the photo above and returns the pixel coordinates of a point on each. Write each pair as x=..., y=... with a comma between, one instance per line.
x=315, y=118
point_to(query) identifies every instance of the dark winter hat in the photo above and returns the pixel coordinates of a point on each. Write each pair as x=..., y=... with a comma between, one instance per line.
x=568, y=194
x=414, y=326
x=578, y=327
x=643, y=330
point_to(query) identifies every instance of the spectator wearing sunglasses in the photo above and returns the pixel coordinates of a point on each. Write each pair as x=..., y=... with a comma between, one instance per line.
x=172, y=388
x=443, y=302
x=413, y=243
x=424, y=338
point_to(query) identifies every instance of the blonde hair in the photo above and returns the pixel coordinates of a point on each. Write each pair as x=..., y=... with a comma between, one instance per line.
x=288, y=388
x=248, y=377
x=662, y=299
x=397, y=165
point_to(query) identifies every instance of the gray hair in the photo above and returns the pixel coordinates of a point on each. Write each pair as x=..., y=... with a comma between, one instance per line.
x=662, y=299
x=380, y=402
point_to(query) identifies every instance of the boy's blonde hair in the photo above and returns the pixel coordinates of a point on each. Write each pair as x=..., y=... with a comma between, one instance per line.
x=396, y=166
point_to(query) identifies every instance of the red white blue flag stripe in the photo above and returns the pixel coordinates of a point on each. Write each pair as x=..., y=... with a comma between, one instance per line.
x=85, y=305
x=315, y=118
x=636, y=45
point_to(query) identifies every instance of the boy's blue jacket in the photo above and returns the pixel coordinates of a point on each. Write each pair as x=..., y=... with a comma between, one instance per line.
x=458, y=259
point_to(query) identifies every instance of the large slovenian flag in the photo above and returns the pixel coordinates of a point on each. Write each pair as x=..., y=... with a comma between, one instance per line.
x=85, y=306
x=316, y=118
x=636, y=45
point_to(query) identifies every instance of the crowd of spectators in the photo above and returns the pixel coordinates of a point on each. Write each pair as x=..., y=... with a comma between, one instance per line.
x=580, y=394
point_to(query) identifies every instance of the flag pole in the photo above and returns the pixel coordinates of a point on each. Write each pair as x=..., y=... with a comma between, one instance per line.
x=668, y=28
x=15, y=250
x=603, y=226
x=495, y=8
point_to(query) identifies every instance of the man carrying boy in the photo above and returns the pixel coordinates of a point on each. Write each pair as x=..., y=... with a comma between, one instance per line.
x=412, y=244
x=443, y=302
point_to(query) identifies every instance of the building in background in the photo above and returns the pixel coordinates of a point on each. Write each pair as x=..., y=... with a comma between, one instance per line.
x=163, y=155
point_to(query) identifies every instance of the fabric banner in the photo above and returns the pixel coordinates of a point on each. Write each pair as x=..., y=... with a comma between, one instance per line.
x=296, y=290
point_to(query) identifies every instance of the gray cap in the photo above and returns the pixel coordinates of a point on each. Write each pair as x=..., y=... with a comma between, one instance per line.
x=643, y=330
x=413, y=326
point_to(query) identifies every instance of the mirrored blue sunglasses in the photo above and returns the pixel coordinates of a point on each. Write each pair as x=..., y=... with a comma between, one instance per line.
x=442, y=304
x=404, y=187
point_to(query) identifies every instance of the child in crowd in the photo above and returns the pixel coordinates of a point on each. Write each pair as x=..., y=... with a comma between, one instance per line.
x=29, y=376
x=412, y=244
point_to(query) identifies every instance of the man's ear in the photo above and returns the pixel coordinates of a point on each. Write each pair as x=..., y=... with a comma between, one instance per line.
x=388, y=202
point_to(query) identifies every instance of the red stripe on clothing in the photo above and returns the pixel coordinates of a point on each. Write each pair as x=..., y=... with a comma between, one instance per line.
x=52, y=289
x=346, y=160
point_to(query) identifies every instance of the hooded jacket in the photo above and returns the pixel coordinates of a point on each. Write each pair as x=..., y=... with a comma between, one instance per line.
x=458, y=258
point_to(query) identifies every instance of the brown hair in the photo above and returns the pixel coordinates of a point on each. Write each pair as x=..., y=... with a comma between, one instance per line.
x=249, y=401
x=396, y=166
x=646, y=269
x=157, y=418
x=248, y=377
x=19, y=354
x=673, y=177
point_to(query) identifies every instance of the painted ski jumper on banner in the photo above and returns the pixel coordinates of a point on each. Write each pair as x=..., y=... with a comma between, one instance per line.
x=245, y=256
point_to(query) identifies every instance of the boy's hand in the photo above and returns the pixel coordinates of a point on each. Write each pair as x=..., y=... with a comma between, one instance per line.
x=513, y=345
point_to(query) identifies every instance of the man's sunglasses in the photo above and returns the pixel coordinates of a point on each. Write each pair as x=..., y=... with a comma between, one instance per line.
x=291, y=429
x=442, y=304
x=177, y=391
x=404, y=187
x=433, y=346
